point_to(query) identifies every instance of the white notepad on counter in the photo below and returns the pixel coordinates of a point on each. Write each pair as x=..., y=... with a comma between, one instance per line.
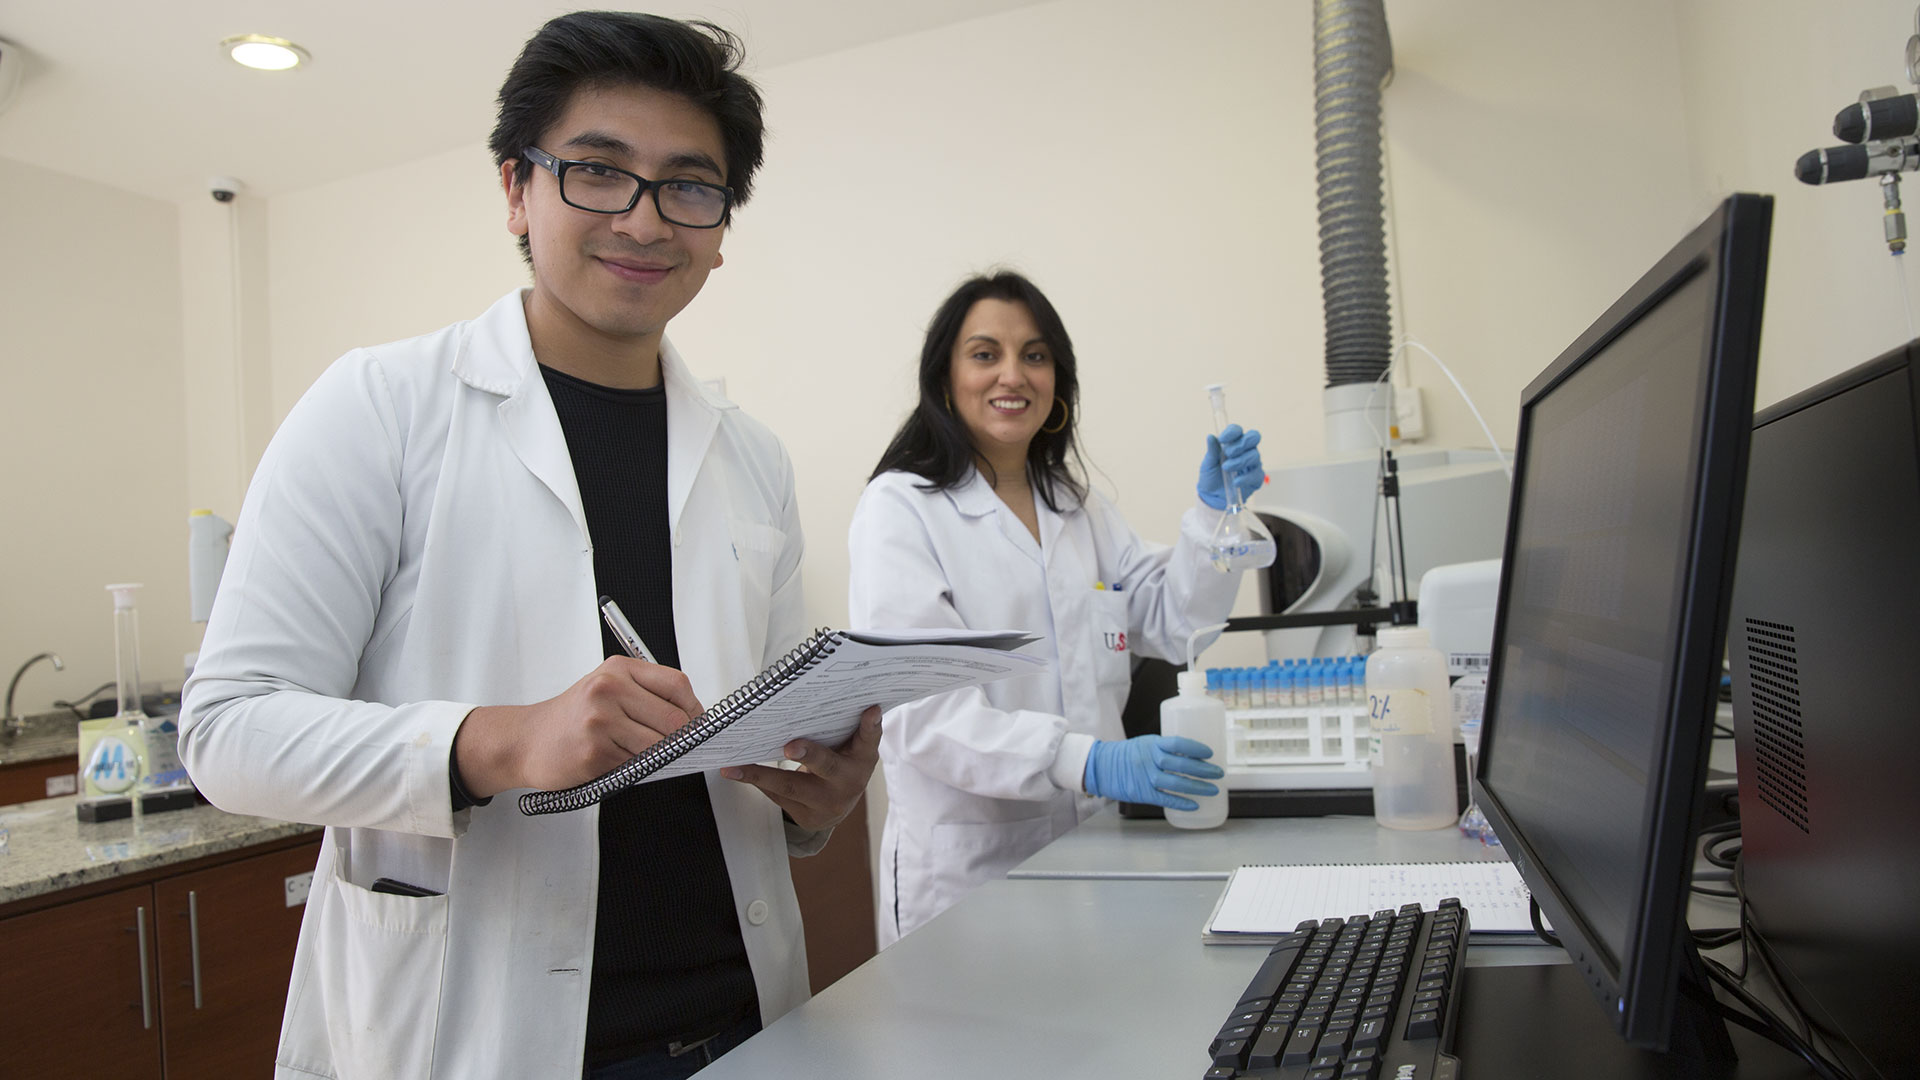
x=1261, y=904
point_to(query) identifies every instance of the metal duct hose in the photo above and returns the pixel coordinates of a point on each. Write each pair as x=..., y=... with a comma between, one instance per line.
x=1352, y=57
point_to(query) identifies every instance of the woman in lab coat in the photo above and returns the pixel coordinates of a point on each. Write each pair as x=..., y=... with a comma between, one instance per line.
x=974, y=519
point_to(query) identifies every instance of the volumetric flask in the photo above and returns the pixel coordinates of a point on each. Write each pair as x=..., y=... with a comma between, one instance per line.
x=1239, y=541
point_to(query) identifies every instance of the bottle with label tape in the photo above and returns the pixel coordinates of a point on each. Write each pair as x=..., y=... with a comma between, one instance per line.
x=1410, y=717
x=1193, y=715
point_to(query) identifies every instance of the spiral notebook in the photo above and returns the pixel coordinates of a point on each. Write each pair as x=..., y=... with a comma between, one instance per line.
x=1261, y=904
x=817, y=691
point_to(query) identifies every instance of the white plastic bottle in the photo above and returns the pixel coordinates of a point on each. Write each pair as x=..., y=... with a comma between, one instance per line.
x=1193, y=715
x=1410, y=716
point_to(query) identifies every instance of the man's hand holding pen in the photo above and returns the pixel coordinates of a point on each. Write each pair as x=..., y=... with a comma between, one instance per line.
x=619, y=709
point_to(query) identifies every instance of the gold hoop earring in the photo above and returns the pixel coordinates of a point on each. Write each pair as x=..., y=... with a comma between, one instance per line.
x=1065, y=414
x=949, y=397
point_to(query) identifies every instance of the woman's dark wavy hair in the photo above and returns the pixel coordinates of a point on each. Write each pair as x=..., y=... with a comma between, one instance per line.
x=696, y=60
x=933, y=442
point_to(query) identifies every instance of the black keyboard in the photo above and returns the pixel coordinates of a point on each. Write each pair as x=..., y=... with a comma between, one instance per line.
x=1352, y=999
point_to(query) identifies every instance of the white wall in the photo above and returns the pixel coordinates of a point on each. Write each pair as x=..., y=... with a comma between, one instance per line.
x=1537, y=171
x=91, y=402
x=383, y=256
x=1762, y=81
x=224, y=324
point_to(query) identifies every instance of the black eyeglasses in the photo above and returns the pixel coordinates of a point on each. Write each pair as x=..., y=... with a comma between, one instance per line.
x=603, y=189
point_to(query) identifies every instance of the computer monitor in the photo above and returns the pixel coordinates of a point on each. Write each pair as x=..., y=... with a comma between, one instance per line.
x=1612, y=610
x=1822, y=642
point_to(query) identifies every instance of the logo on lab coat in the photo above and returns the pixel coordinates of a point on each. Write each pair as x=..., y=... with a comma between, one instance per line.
x=1114, y=640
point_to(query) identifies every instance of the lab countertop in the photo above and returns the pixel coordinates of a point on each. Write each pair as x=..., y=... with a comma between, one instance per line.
x=1107, y=845
x=48, y=849
x=46, y=736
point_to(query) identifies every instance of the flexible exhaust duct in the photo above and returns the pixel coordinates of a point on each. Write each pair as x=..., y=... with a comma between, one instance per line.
x=1352, y=60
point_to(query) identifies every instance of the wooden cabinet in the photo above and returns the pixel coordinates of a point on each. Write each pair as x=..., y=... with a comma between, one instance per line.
x=226, y=938
x=182, y=976
x=25, y=781
x=77, y=986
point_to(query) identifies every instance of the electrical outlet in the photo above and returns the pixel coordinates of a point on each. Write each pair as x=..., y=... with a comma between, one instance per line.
x=1409, y=414
x=297, y=888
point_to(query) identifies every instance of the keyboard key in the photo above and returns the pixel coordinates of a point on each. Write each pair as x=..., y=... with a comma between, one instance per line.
x=1221, y=1072
x=1267, y=981
x=1326, y=1061
x=1334, y=1039
x=1370, y=1033
x=1360, y=1070
x=1300, y=1045
x=1266, y=1050
x=1241, y=1032
x=1423, y=1025
x=1231, y=1052
x=1323, y=1074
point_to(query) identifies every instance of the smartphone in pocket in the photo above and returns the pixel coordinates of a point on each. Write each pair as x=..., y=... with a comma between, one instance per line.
x=400, y=888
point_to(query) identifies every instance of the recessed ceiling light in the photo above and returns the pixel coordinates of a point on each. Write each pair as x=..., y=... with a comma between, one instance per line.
x=265, y=53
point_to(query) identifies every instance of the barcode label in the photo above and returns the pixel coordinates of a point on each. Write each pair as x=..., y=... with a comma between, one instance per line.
x=1468, y=663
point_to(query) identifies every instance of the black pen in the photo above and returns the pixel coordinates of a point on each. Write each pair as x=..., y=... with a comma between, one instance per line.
x=623, y=631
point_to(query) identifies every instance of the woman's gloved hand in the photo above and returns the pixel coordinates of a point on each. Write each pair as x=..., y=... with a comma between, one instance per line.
x=1155, y=769
x=1235, y=453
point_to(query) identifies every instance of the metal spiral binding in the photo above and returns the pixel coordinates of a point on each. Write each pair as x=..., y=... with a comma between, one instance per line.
x=741, y=702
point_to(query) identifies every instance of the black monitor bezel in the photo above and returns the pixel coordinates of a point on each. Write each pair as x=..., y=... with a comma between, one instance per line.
x=1639, y=992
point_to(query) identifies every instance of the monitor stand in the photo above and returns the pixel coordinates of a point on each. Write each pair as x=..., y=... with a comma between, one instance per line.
x=1541, y=1021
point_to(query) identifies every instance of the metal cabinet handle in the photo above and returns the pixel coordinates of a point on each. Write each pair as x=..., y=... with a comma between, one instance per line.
x=146, y=1000
x=193, y=937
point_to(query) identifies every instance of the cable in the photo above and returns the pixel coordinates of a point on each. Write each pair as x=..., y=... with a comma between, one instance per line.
x=1546, y=935
x=74, y=705
x=1410, y=343
x=1763, y=1022
x=1716, y=939
x=1379, y=436
x=1751, y=941
x=1906, y=297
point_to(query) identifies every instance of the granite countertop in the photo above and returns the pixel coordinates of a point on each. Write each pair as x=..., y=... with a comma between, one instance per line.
x=46, y=848
x=44, y=736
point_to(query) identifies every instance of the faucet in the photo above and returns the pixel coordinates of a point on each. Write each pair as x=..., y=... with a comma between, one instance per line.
x=10, y=724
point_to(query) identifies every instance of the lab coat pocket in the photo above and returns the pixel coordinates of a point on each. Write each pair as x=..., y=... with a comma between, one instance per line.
x=380, y=978
x=757, y=548
x=1112, y=653
x=967, y=854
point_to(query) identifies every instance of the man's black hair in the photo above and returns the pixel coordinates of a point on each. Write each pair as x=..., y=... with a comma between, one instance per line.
x=933, y=442
x=588, y=49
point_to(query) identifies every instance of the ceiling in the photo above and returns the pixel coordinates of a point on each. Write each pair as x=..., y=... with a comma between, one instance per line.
x=138, y=94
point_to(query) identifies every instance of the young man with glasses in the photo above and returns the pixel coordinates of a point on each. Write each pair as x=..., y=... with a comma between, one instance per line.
x=420, y=556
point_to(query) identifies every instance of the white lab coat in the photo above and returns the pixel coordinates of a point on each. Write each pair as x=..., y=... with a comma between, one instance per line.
x=979, y=779
x=413, y=545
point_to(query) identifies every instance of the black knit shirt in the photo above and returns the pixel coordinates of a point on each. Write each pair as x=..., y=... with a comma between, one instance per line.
x=668, y=960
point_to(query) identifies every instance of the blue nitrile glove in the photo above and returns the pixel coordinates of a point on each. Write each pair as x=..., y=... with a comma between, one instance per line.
x=1241, y=451
x=1150, y=769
